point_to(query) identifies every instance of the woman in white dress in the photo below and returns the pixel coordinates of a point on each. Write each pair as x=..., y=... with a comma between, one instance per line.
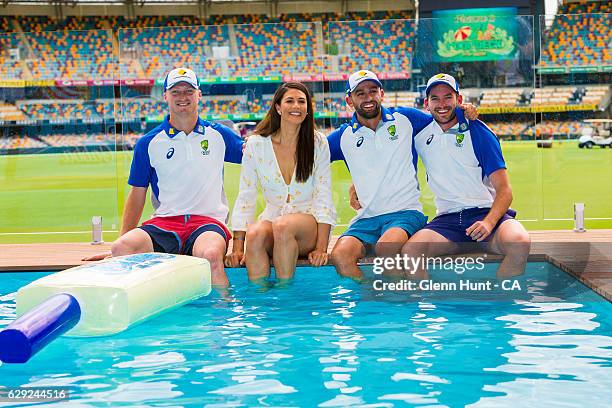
x=290, y=161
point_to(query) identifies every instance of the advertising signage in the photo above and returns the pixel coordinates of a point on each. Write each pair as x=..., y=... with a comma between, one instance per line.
x=481, y=34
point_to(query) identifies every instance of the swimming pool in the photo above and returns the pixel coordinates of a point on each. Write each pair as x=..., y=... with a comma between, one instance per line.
x=325, y=341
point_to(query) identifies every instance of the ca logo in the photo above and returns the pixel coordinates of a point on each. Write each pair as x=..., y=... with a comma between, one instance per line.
x=204, y=146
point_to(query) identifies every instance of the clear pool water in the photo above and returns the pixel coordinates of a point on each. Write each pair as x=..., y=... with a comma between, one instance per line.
x=328, y=342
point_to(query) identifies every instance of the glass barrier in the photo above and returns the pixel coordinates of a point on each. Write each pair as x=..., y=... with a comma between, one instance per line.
x=492, y=58
x=66, y=142
x=573, y=112
x=239, y=68
x=492, y=62
x=385, y=47
x=57, y=161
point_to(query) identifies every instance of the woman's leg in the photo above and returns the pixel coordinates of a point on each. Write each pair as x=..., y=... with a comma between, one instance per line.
x=259, y=243
x=294, y=235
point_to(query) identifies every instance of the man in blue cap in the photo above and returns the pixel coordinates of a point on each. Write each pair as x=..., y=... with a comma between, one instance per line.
x=182, y=161
x=377, y=147
x=467, y=174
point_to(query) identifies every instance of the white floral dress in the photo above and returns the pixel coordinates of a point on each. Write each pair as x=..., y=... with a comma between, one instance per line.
x=259, y=166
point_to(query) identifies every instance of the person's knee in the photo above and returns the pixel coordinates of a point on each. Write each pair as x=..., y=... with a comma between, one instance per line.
x=255, y=236
x=118, y=248
x=417, y=245
x=282, y=230
x=123, y=246
x=522, y=241
x=388, y=248
x=516, y=234
x=415, y=248
x=212, y=253
x=515, y=240
x=522, y=237
x=344, y=254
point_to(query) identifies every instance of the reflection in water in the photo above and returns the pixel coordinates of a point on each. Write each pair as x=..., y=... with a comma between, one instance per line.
x=554, y=359
x=342, y=362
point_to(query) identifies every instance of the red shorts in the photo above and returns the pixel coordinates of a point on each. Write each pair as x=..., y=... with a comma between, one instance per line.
x=177, y=234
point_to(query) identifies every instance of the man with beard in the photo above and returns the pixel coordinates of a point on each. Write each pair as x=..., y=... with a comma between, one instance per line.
x=377, y=147
x=467, y=175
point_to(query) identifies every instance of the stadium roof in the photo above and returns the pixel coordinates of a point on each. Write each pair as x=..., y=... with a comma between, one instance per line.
x=102, y=2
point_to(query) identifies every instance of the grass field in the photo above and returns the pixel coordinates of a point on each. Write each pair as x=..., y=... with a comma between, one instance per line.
x=52, y=197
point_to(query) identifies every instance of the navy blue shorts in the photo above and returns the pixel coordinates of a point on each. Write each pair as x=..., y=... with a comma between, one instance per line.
x=452, y=226
x=369, y=230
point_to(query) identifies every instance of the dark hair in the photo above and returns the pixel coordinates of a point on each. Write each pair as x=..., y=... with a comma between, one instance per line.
x=270, y=124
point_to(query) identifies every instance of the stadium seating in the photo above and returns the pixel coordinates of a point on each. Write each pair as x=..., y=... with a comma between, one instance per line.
x=579, y=36
x=545, y=129
x=136, y=109
x=77, y=140
x=402, y=98
x=67, y=49
x=513, y=129
x=161, y=49
x=72, y=55
x=9, y=68
x=267, y=49
x=55, y=111
x=20, y=142
x=58, y=49
x=386, y=45
x=86, y=48
x=330, y=102
x=292, y=44
x=552, y=96
x=241, y=19
x=549, y=128
x=544, y=97
x=596, y=95
x=10, y=112
x=501, y=97
x=133, y=109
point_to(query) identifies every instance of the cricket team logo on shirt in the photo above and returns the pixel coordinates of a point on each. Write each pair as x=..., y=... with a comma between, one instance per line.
x=204, y=146
x=392, y=132
x=459, y=139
